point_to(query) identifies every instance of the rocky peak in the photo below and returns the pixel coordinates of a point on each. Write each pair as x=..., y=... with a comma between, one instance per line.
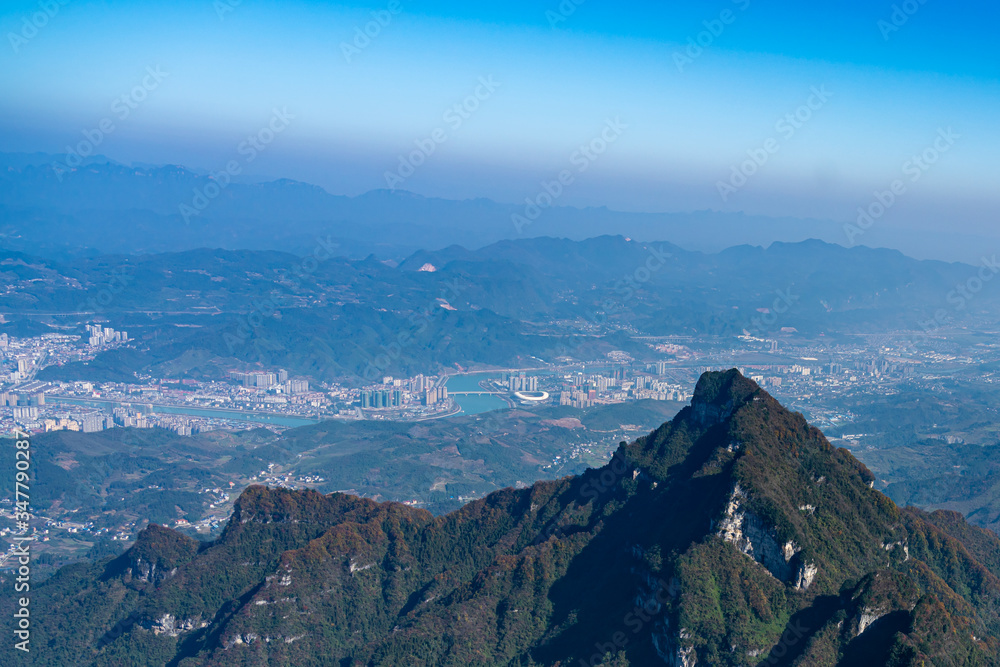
x=719, y=394
x=156, y=554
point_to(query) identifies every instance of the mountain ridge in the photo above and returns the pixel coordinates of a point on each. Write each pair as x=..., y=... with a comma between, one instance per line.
x=64, y=212
x=734, y=534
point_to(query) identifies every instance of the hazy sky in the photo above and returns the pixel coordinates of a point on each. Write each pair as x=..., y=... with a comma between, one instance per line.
x=690, y=88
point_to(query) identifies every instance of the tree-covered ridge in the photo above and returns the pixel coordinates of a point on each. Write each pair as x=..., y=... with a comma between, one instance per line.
x=733, y=535
x=127, y=477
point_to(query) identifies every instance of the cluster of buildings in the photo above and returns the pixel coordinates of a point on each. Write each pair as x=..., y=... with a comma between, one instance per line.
x=618, y=386
x=83, y=406
x=88, y=423
x=436, y=396
x=278, y=381
x=55, y=417
x=381, y=398
x=99, y=336
x=26, y=405
x=21, y=358
x=395, y=397
x=520, y=382
x=285, y=480
x=417, y=397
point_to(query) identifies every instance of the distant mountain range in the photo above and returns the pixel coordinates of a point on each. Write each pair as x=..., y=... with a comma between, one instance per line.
x=50, y=209
x=734, y=535
x=503, y=305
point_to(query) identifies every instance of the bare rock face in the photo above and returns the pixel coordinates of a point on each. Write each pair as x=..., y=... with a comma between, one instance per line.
x=806, y=575
x=169, y=625
x=747, y=532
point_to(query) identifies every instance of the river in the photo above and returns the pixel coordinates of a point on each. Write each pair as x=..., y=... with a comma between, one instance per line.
x=474, y=405
x=233, y=415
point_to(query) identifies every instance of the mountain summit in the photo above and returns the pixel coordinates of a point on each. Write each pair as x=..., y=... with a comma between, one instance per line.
x=733, y=535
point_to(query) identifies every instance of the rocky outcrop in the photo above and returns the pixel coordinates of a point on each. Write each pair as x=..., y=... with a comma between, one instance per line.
x=155, y=557
x=806, y=575
x=747, y=532
x=168, y=625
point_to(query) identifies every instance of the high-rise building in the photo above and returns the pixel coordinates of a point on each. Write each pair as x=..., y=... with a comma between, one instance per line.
x=61, y=425
x=282, y=376
x=257, y=379
x=435, y=395
x=93, y=423
x=26, y=413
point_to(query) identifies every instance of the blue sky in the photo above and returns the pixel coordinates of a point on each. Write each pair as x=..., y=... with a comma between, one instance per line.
x=690, y=116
